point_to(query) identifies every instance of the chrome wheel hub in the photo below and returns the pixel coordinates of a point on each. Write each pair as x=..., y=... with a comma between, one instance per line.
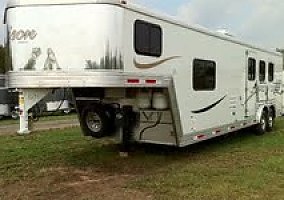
x=270, y=121
x=263, y=123
x=94, y=122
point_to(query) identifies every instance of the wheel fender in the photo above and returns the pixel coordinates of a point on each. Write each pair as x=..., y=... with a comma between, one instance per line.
x=259, y=112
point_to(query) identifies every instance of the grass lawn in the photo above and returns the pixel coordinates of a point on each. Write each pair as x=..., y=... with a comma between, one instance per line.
x=66, y=165
x=50, y=117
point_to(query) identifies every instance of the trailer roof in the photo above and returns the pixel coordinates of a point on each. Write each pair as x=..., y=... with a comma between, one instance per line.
x=139, y=9
x=13, y=3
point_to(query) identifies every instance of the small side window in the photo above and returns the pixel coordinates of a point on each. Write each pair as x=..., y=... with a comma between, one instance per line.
x=270, y=72
x=204, y=75
x=147, y=39
x=251, y=69
x=262, y=71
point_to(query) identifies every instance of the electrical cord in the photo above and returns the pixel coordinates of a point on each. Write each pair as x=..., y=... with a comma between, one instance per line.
x=151, y=126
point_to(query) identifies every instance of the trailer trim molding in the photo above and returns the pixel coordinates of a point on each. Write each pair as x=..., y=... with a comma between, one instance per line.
x=202, y=110
x=154, y=64
x=202, y=135
x=88, y=79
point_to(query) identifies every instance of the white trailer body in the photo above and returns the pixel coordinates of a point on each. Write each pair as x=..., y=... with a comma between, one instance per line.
x=183, y=84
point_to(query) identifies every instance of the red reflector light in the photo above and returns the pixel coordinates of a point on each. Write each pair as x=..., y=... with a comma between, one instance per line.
x=133, y=81
x=216, y=132
x=201, y=136
x=151, y=81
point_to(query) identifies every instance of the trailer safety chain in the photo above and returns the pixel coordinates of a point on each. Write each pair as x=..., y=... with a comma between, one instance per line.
x=35, y=113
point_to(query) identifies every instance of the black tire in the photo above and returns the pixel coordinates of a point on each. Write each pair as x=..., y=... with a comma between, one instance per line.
x=261, y=128
x=94, y=121
x=270, y=121
x=1, y=117
x=111, y=115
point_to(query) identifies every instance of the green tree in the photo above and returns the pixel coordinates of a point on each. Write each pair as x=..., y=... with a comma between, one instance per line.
x=5, y=60
x=2, y=59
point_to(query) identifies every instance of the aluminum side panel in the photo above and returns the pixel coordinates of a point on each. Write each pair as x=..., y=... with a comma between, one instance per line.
x=66, y=38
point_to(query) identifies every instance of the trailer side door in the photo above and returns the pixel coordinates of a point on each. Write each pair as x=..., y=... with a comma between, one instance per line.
x=251, y=84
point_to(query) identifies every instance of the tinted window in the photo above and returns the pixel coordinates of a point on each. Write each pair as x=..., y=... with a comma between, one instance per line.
x=262, y=71
x=142, y=37
x=148, y=39
x=204, y=75
x=271, y=72
x=251, y=69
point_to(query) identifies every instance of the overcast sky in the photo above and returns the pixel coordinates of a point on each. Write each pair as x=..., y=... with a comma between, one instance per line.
x=256, y=21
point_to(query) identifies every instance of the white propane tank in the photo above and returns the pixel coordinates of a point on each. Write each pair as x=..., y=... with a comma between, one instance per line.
x=160, y=101
x=144, y=100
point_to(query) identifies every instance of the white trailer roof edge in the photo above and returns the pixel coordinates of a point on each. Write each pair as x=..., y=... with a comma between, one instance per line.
x=141, y=10
x=13, y=3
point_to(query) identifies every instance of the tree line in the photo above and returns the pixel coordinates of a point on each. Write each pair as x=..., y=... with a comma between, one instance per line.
x=2, y=59
x=5, y=61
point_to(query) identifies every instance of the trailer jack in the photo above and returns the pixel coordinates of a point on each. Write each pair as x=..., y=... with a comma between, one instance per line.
x=128, y=120
x=24, y=117
x=27, y=100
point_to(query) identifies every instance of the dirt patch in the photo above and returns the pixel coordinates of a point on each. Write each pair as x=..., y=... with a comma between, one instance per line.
x=60, y=183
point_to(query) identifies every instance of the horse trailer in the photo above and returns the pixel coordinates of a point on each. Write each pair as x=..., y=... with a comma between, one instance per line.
x=139, y=74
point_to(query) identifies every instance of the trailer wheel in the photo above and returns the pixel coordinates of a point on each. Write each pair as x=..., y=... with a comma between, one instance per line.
x=1, y=117
x=262, y=127
x=270, y=121
x=94, y=121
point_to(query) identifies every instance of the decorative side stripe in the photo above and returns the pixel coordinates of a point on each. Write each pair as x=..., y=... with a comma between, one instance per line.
x=209, y=107
x=154, y=64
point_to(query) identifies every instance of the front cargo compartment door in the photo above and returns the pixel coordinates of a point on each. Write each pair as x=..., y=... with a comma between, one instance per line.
x=251, y=85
